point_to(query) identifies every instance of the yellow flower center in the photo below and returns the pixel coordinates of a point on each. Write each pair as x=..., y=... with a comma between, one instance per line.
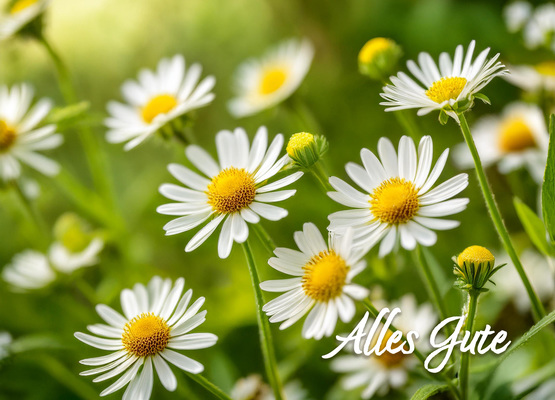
x=395, y=201
x=231, y=190
x=324, y=276
x=390, y=360
x=272, y=79
x=372, y=48
x=298, y=142
x=21, y=5
x=7, y=137
x=160, y=104
x=446, y=89
x=475, y=255
x=515, y=135
x=145, y=335
x=546, y=68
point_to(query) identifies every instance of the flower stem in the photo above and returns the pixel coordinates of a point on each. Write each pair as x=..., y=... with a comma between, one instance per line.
x=465, y=356
x=264, y=237
x=321, y=176
x=264, y=327
x=209, y=386
x=495, y=214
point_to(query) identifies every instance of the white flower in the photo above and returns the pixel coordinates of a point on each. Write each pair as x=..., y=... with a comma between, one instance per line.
x=5, y=343
x=533, y=78
x=540, y=29
x=19, y=136
x=540, y=272
x=455, y=82
x=20, y=14
x=517, y=14
x=254, y=388
x=157, y=98
x=264, y=83
x=517, y=138
x=235, y=192
x=398, y=199
x=321, y=285
x=380, y=373
x=157, y=319
x=65, y=260
x=29, y=270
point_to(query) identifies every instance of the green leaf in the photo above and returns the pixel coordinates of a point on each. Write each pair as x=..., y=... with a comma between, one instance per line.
x=483, y=97
x=65, y=114
x=427, y=391
x=443, y=117
x=534, y=227
x=483, y=385
x=548, y=188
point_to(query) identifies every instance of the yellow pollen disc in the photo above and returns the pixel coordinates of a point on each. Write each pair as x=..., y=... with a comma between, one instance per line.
x=21, y=5
x=7, y=137
x=231, y=190
x=446, y=89
x=372, y=48
x=390, y=360
x=272, y=79
x=160, y=104
x=324, y=276
x=475, y=255
x=145, y=335
x=395, y=201
x=515, y=135
x=298, y=142
x=546, y=68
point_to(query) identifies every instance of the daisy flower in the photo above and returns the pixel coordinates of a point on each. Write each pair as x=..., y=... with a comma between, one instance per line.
x=5, y=343
x=540, y=29
x=450, y=88
x=533, y=78
x=21, y=13
x=157, y=98
x=321, y=285
x=397, y=199
x=20, y=138
x=29, y=270
x=235, y=190
x=517, y=15
x=157, y=321
x=264, y=83
x=379, y=374
x=517, y=138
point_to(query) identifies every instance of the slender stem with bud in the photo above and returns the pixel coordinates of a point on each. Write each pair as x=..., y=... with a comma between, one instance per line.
x=465, y=356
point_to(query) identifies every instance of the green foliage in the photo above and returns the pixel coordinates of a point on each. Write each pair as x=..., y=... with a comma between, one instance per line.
x=548, y=188
x=534, y=227
x=428, y=391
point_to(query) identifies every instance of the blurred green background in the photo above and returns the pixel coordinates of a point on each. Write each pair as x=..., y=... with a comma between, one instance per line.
x=106, y=42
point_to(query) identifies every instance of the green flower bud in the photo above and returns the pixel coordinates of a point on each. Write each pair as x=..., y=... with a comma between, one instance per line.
x=306, y=149
x=378, y=58
x=473, y=268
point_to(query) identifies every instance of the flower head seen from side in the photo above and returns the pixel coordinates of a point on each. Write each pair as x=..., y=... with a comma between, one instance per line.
x=514, y=139
x=398, y=200
x=474, y=267
x=451, y=88
x=157, y=320
x=20, y=136
x=233, y=191
x=264, y=83
x=19, y=15
x=155, y=99
x=321, y=285
x=29, y=270
x=378, y=57
x=378, y=374
x=533, y=78
x=540, y=29
x=517, y=14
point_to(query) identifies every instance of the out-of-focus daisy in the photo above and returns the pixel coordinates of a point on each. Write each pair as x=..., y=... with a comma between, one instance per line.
x=264, y=83
x=533, y=78
x=5, y=342
x=157, y=320
x=235, y=191
x=517, y=14
x=155, y=99
x=540, y=272
x=397, y=199
x=517, y=138
x=540, y=29
x=451, y=87
x=29, y=270
x=321, y=285
x=19, y=14
x=254, y=388
x=20, y=138
x=379, y=374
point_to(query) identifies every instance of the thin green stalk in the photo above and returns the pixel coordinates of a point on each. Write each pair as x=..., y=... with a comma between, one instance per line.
x=321, y=176
x=537, y=306
x=31, y=208
x=374, y=313
x=264, y=237
x=431, y=283
x=409, y=124
x=209, y=386
x=465, y=356
x=264, y=327
x=87, y=290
